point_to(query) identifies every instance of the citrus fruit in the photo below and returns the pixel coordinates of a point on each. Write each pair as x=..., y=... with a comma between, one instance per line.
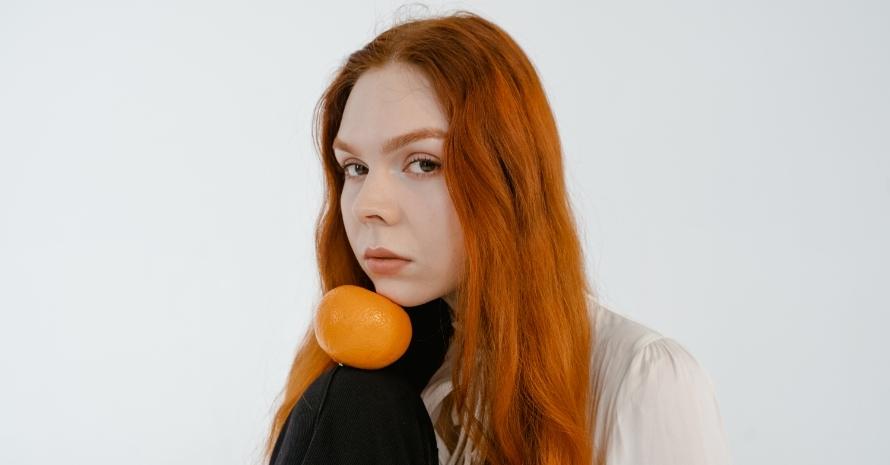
x=361, y=328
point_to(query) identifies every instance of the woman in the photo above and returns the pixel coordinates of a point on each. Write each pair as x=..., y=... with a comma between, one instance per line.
x=438, y=143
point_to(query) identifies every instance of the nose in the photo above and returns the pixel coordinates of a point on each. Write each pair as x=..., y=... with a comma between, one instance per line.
x=376, y=199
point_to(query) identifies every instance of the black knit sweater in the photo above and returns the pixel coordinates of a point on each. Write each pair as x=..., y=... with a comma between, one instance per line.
x=371, y=416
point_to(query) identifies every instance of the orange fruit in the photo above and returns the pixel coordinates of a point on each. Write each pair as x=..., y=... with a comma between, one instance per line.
x=361, y=328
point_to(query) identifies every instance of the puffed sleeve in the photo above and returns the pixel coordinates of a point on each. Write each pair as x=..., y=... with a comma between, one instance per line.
x=666, y=411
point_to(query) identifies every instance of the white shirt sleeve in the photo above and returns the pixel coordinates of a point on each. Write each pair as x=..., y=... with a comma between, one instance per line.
x=666, y=411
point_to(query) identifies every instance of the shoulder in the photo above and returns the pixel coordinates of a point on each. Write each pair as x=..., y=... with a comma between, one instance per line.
x=657, y=403
x=617, y=333
x=627, y=352
x=618, y=342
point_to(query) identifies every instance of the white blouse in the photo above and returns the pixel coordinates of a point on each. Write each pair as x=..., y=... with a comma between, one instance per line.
x=657, y=403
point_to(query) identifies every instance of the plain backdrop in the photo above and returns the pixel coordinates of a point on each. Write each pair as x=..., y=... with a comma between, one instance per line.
x=729, y=163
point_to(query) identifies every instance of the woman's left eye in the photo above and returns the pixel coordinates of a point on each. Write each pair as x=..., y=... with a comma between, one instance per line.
x=425, y=162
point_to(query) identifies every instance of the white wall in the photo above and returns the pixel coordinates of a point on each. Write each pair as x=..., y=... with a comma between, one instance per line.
x=730, y=163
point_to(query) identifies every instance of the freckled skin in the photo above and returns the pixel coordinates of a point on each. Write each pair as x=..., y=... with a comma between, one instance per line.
x=386, y=200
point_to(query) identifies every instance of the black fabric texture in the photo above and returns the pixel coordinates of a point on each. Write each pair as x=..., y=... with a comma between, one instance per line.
x=361, y=417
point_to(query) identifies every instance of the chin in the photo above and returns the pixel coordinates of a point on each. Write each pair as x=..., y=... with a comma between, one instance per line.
x=405, y=295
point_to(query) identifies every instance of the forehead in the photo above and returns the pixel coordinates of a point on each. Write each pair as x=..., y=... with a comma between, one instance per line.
x=388, y=101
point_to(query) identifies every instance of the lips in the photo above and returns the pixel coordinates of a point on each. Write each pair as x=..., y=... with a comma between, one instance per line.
x=382, y=252
x=386, y=266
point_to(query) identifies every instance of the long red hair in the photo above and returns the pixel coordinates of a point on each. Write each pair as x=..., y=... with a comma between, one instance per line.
x=524, y=339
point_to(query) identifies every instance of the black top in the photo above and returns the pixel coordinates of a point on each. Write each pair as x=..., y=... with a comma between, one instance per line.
x=357, y=423
x=431, y=331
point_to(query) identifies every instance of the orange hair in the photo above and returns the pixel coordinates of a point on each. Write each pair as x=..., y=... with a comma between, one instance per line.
x=524, y=335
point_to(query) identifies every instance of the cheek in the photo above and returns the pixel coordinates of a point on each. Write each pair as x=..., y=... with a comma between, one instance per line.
x=345, y=198
x=456, y=242
x=443, y=236
x=346, y=214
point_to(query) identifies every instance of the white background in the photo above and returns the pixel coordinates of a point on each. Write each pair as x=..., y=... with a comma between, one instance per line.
x=729, y=161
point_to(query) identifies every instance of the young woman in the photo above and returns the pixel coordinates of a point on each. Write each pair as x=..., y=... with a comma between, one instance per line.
x=438, y=144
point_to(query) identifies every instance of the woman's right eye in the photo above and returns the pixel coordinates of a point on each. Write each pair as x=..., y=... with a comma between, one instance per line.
x=346, y=169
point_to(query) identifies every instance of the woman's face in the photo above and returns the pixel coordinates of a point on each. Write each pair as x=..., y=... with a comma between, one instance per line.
x=394, y=192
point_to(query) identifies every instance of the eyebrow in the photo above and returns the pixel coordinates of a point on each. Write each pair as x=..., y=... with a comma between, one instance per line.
x=396, y=142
